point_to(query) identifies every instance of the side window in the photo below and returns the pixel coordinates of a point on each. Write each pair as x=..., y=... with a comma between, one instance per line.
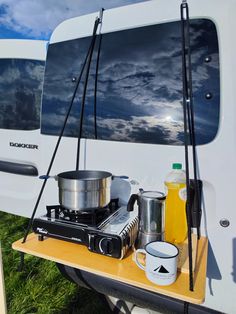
x=139, y=97
x=20, y=93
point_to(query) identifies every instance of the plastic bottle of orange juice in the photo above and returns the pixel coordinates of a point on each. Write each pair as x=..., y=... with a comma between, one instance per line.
x=175, y=209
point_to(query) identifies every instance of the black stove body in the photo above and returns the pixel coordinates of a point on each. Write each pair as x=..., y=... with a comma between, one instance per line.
x=110, y=231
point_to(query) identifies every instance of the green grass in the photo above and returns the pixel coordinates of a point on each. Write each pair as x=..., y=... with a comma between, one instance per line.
x=39, y=288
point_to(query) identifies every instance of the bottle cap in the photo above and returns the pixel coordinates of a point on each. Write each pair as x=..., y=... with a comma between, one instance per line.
x=176, y=166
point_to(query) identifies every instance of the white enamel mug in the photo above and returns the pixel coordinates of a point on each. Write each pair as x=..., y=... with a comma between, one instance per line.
x=161, y=262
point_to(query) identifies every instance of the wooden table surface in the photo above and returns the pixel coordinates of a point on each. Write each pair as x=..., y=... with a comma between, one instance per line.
x=78, y=256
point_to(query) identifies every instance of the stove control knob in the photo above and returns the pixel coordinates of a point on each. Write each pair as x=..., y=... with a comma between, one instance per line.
x=106, y=246
x=91, y=238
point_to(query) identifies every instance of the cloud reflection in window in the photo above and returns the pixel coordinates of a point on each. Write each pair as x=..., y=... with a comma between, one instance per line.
x=139, y=96
x=21, y=83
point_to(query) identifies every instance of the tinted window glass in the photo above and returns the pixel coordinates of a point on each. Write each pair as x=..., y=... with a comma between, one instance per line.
x=20, y=93
x=139, y=97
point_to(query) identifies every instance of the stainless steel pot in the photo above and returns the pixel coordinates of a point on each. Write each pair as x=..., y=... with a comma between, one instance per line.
x=84, y=189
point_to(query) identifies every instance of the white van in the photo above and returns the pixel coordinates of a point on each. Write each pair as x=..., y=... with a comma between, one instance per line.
x=22, y=70
x=139, y=123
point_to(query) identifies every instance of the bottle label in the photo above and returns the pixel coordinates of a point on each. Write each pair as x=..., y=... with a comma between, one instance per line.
x=183, y=194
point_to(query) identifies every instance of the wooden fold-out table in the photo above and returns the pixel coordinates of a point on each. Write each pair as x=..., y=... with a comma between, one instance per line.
x=78, y=256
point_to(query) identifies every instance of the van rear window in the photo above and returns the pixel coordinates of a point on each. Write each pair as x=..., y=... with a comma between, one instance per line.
x=139, y=94
x=21, y=84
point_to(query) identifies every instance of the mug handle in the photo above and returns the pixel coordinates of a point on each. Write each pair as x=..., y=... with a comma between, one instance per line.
x=136, y=258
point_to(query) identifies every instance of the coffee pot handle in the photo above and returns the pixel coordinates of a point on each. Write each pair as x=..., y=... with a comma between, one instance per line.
x=133, y=198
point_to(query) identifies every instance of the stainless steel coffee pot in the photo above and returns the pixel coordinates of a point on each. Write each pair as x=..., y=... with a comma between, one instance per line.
x=151, y=216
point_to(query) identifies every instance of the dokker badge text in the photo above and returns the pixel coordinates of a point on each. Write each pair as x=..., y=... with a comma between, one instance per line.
x=23, y=145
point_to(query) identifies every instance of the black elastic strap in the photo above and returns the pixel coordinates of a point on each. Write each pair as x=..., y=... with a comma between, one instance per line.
x=186, y=307
x=192, y=122
x=57, y=145
x=95, y=87
x=21, y=264
x=96, y=77
x=85, y=90
x=186, y=141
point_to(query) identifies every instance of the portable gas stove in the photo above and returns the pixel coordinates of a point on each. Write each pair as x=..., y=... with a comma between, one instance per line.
x=110, y=231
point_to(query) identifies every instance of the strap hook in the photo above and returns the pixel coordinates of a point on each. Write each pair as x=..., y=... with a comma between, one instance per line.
x=100, y=15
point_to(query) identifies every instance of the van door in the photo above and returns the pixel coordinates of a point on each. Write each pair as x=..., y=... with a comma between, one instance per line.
x=21, y=79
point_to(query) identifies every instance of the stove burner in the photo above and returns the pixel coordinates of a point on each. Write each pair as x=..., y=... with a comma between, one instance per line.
x=89, y=217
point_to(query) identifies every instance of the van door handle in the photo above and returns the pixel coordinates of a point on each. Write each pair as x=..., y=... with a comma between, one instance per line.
x=17, y=168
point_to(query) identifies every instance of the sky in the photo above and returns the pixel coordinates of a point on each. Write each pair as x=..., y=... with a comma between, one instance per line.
x=36, y=19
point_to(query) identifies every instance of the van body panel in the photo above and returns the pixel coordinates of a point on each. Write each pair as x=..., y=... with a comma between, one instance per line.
x=149, y=163
x=23, y=49
x=20, y=135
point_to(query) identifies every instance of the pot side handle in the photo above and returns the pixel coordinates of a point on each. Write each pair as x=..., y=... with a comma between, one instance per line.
x=120, y=177
x=45, y=177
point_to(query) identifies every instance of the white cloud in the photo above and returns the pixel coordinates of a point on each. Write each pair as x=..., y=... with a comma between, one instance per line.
x=35, y=71
x=141, y=124
x=10, y=75
x=40, y=17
